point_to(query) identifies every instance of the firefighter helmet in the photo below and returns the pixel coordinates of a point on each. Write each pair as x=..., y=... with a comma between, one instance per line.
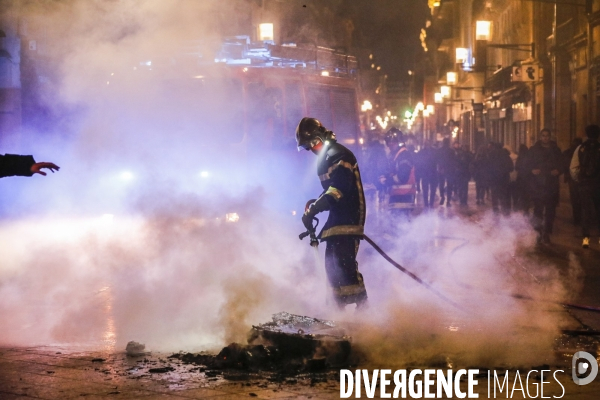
x=310, y=132
x=394, y=135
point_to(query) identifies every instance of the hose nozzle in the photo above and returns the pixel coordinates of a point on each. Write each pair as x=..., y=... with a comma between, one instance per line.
x=313, y=237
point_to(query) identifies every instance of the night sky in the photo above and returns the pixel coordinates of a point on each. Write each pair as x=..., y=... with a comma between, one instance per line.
x=391, y=29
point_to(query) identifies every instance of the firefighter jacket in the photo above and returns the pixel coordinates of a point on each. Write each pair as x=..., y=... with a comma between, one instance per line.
x=340, y=178
x=11, y=165
x=401, y=165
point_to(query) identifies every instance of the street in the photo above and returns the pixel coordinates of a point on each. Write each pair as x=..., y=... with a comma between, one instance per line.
x=221, y=199
x=96, y=369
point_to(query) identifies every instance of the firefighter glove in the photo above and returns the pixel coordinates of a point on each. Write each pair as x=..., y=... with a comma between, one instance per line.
x=307, y=221
x=318, y=206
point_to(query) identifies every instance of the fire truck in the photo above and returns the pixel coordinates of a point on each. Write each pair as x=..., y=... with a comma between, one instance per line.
x=281, y=84
x=237, y=110
x=249, y=101
x=223, y=118
x=268, y=88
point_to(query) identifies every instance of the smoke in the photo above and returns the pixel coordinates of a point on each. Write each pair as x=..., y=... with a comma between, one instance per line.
x=170, y=277
x=508, y=298
x=178, y=276
x=130, y=240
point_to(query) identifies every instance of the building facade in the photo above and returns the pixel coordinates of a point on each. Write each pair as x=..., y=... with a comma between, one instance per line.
x=517, y=66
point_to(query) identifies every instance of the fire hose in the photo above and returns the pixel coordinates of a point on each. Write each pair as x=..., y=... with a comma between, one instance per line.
x=315, y=242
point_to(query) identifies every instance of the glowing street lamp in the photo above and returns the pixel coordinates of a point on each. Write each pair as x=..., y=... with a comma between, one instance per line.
x=126, y=175
x=265, y=31
x=483, y=30
x=366, y=106
x=445, y=91
x=232, y=217
x=455, y=132
x=462, y=55
x=437, y=97
x=451, y=78
x=430, y=109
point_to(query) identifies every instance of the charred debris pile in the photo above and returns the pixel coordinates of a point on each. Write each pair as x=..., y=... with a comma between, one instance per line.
x=289, y=344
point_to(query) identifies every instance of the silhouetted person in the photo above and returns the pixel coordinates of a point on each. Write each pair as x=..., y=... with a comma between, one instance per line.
x=375, y=166
x=585, y=169
x=445, y=166
x=412, y=150
x=427, y=168
x=513, y=192
x=573, y=186
x=464, y=158
x=401, y=182
x=545, y=165
x=522, y=169
x=500, y=166
x=481, y=173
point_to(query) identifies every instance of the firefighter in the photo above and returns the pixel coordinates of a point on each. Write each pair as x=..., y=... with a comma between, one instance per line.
x=402, y=183
x=15, y=165
x=343, y=197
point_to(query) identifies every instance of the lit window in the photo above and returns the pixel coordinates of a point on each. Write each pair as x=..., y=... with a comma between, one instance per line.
x=451, y=78
x=265, y=32
x=462, y=55
x=483, y=30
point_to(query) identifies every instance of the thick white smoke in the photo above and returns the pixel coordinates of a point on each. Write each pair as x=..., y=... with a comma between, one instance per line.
x=164, y=267
x=508, y=299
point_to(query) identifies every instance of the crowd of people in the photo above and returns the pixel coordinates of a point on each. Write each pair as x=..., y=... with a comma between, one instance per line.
x=527, y=181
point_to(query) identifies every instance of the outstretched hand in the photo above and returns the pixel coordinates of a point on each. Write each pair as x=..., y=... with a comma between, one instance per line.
x=37, y=167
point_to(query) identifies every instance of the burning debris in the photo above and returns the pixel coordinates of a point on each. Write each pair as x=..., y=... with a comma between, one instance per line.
x=289, y=343
x=135, y=349
x=304, y=337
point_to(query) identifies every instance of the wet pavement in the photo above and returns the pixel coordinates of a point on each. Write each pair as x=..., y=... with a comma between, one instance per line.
x=64, y=372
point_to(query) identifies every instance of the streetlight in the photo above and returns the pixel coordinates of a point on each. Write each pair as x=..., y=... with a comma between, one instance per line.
x=451, y=78
x=438, y=98
x=483, y=32
x=462, y=55
x=445, y=91
x=366, y=106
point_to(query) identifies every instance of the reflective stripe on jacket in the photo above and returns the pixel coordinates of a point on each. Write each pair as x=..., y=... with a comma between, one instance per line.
x=340, y=178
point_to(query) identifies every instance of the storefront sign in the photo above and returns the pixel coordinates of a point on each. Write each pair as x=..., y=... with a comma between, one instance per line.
x=526, y=73
x=521, y=112
x=495, y=114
